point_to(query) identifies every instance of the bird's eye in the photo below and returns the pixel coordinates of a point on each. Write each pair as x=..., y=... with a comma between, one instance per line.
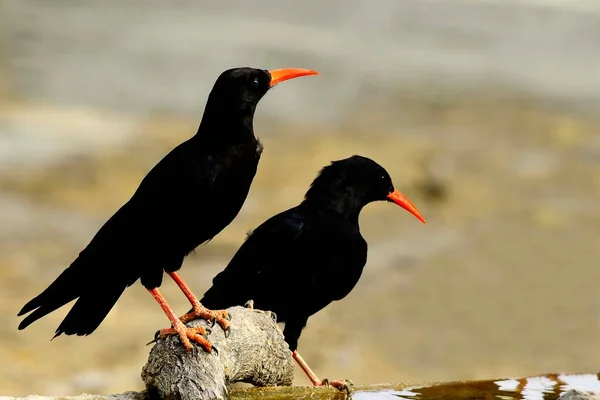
x=255, y=83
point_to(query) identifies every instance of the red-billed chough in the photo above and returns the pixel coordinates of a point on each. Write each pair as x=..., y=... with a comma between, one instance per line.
x=192, y=194
x=302, y=259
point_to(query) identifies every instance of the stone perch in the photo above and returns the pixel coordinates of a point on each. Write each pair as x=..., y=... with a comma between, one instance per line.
x=254, y=352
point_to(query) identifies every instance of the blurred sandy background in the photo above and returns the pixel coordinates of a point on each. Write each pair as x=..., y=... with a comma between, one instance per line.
x=485, y=114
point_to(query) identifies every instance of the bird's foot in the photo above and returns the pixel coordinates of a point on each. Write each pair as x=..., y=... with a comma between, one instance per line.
x=187, y=335
x=221, y=317
x=250, y=305
x=342, y=384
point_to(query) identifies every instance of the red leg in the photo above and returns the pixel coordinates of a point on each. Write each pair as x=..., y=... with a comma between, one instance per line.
x=178, y=328
x=342, y=384
x=199, y=311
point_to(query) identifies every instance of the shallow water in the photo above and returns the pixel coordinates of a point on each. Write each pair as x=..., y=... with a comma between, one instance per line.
x=544, y=387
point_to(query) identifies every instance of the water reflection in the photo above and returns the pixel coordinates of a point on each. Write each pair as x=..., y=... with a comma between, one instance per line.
x=544, y=387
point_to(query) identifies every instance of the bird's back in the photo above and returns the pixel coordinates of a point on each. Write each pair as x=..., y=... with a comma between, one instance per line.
x=185, y=200
x=293, y=264
x=207, y=211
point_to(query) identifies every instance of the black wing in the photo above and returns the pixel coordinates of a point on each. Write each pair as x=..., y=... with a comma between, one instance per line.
x=266, y=265
x=291, y=266
x=151, y=219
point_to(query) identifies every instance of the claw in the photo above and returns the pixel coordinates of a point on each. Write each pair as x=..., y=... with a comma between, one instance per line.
x=208, y=331
x=222, y=317
x=227, y=332
x=274, y=316
x=346, y=387
x=188, y=336
x=249, y=304
x=342, y=385
x=156, y=335
x=215, y=349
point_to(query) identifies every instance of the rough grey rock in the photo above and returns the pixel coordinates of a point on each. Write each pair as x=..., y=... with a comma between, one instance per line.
x=255, y=352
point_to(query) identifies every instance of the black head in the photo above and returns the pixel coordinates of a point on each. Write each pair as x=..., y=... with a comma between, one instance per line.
x=240, y=89
x=348, y=185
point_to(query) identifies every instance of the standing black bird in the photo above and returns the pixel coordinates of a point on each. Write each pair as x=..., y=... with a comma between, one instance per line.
x=315, y=247
x=192, y=194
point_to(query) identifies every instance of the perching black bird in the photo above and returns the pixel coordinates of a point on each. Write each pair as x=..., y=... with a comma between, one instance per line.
x=192, y=194
x=315, y=247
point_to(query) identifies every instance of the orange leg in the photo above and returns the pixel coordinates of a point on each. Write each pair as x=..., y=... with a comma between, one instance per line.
x=342, y=384
x=185, y=334
x=199, y=311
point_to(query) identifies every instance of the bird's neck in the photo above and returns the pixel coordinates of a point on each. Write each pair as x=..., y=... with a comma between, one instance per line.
x=346, y=207
x=225, y=127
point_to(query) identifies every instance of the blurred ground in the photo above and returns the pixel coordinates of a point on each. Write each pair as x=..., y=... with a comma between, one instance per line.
x=484, y=114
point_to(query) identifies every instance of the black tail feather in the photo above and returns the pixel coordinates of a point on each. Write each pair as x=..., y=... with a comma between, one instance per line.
x=96, y=297
x=66, y=288
x=90, y=310
x=44, y=309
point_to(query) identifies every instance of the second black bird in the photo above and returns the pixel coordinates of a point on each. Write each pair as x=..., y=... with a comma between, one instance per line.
x=302, y=259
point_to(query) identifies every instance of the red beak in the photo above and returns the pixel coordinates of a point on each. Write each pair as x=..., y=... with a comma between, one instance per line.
x=284, y=74
x=405, y=203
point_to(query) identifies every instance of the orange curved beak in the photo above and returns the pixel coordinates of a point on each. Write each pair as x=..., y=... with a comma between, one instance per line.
x=284, y=74
x=405, y=203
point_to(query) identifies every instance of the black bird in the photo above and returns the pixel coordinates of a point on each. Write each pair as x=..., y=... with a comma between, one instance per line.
x=302, y=259
x=192, y=194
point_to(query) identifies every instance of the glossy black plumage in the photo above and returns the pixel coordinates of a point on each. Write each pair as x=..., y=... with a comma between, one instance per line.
x=193, y=193
x=302, y=259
